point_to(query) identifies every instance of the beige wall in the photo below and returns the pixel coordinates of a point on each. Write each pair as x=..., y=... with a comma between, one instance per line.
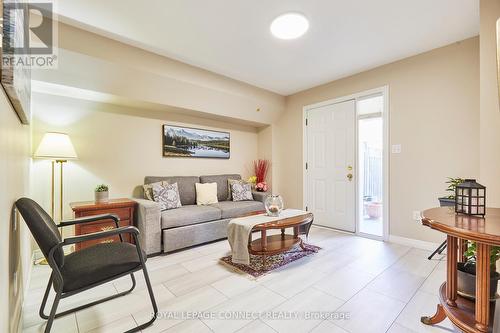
x=15, y=248
x=434, y=115
x=92, y=62
x=490, y=114
x=119, y=146
x=265, y=150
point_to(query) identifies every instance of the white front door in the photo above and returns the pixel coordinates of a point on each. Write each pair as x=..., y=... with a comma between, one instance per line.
x=330, y=187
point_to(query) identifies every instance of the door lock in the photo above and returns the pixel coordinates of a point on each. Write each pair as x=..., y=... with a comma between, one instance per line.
x=349, y=167
x=349, y=176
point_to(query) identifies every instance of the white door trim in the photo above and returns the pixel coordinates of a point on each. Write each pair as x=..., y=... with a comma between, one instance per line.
x=384, y=90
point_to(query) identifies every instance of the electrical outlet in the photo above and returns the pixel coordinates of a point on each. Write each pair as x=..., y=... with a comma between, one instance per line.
x=396, y=149
x=416, y=215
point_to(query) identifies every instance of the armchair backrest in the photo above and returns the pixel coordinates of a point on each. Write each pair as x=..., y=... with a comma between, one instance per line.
x=42, y=227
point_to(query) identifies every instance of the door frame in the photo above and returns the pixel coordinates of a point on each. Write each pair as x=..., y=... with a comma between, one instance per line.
x=384, y=91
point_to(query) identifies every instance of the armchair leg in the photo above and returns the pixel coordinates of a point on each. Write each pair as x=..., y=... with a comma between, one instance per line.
x=153, y=301
x=81, y=307
x=44, y=300
x=52, y=315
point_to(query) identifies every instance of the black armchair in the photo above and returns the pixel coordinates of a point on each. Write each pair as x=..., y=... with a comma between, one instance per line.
x=87, y=268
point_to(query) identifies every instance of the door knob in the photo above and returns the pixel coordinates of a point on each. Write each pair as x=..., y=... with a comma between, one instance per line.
x=349, y=176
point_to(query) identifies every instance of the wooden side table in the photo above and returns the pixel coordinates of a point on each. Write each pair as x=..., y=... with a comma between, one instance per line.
x=468, y=316
x=124, y=208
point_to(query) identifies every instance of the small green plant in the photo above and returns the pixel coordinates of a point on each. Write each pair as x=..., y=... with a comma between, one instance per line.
x=452, y=185
x=470, y=255
x=102, y=188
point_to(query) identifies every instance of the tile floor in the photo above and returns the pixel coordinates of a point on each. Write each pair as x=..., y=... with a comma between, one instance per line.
x=383, y=287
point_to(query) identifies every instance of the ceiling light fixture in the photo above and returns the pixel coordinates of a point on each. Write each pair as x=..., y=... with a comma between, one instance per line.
x=289, y=26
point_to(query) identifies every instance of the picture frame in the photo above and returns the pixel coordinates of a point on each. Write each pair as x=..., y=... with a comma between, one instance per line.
x=498, y=58
x=14, y=78
x=190, y=142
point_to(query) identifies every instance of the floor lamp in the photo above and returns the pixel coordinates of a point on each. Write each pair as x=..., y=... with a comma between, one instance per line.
x=58, y=148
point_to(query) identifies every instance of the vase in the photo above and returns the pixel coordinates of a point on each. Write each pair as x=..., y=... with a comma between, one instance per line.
x=101, y=197
x=274, y=205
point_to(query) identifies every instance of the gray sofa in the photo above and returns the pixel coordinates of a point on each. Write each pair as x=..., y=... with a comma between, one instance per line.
x=169, y=230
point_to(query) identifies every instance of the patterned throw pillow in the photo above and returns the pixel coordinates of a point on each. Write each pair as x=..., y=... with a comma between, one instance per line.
x=167, y=196
x=230, y=183
x=148, y=190
x=241, y=192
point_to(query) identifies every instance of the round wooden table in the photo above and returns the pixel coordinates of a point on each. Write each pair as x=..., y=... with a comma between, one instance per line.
x=274, y=244
x=469, y=316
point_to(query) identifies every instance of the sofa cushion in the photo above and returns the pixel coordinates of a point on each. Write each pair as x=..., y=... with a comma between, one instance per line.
x=185, y=185
x=221, y=181
x=148, y=190
x=230, y=183
x=241, y=192
x=187, y=215
x=232, y=209
x=167, y=195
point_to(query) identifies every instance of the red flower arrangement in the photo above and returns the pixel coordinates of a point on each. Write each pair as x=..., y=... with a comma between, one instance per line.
x=260, y=167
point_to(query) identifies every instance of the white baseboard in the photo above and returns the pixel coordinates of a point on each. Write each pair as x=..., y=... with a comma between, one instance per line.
x=416, y=243
x=333, y=229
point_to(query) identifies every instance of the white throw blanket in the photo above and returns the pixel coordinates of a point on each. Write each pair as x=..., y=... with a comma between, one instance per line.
x=238, y=231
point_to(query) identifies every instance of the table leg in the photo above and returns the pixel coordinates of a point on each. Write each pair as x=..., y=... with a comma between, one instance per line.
x=437, y=318
x=282, y=233
x=451, y=283
x=482, y=287
x=263, y=238
x=451, y=271
x=462, y=247
x=295, y=232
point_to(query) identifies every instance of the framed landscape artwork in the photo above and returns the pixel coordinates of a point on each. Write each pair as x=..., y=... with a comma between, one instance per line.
x=195, y=142
x=15, y=78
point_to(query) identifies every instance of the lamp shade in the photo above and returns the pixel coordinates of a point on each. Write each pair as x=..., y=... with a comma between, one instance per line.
x=56, y=146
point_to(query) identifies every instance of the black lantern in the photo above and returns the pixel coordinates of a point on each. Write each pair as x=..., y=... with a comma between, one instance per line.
x=470, y=198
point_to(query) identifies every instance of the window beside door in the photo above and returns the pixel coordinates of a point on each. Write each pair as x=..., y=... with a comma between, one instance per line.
x=370, y=165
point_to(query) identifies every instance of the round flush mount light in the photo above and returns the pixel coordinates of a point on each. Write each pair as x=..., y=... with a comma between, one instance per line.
x=289, y=26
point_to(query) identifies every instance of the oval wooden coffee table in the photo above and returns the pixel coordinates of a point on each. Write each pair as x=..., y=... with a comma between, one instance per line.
x=467, y=315
x=275, y=244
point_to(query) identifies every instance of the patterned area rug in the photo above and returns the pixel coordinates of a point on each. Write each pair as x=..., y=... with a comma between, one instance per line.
x=256, y=268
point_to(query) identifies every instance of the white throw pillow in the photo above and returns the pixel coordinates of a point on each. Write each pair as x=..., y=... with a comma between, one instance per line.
x=206, y=194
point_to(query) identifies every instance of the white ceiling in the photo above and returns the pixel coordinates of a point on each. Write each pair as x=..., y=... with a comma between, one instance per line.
x=232, y=38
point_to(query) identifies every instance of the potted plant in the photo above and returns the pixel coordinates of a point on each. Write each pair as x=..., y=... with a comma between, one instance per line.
x=101, y=193
x=450, y=199
x=467, y=272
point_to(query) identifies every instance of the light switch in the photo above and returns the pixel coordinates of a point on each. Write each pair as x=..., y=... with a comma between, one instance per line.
x=396, y=149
